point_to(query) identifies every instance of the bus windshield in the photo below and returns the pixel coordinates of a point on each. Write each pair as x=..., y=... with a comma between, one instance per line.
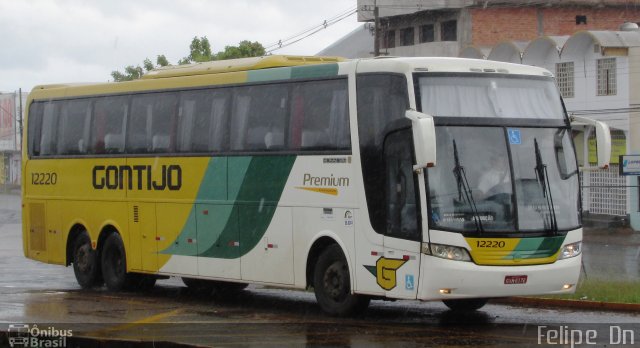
x=500, y=179
x=489, y=95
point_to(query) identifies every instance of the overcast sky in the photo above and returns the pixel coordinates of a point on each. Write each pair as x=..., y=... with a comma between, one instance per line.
x=54, y=41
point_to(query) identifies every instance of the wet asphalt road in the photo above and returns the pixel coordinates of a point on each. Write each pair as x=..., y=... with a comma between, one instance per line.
x=33, y=292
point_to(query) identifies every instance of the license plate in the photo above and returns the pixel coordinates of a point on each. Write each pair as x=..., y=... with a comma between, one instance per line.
x=516, y=279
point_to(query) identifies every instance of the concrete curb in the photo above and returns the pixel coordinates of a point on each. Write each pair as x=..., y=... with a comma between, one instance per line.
x=577, y=304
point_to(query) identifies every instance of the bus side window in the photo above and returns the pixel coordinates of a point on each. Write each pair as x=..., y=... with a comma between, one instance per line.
x=48, y=137
x=202, y=121
x=109, y=124
x=320, y=116
x=153, y=123
x=400, y=193
x=259, y=118
x=73, y=132
x=35, y=127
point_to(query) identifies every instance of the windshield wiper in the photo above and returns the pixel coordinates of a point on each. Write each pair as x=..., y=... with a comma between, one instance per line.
x=543, y=178
x=464, y=189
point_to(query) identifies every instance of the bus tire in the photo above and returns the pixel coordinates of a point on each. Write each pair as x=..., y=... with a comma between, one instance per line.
x=114, y=263
x=85, y=262
x=332, y=285
x=466, y=305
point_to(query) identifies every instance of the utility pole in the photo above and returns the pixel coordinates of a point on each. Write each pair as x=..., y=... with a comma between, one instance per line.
x=376, y=36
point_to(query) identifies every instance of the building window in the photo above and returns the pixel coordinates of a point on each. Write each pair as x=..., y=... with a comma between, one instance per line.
x=606, y=76
x=427, y=33
x=406, y=37
x=564, y=77
x=389, y=39
x=449, y=30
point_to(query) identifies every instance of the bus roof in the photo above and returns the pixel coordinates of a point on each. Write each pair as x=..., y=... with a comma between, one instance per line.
x=240, y=64
x=448, y=65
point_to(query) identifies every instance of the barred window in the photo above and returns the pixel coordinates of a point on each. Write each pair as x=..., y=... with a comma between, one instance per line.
x=390, y=39
x=427, y=33
x=564, y=78
x=406, y=37
x=606, y=76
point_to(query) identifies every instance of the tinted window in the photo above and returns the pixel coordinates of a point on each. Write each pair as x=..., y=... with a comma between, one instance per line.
x=202, y=124
x=152, y=123
x=35, y=125
x=400, y=194
x=320, y=116
x=48, y=140
x=73, y=132
x=109, y=124
x=382, y=102
x=259, y=118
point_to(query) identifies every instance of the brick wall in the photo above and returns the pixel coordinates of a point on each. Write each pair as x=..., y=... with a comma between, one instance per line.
x=494, y=25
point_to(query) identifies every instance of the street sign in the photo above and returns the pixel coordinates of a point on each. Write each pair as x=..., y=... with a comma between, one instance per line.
x=629, y=165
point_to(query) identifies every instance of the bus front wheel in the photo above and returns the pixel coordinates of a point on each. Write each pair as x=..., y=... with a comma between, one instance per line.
x=85, y=262
x=466, y=305
x=332, y=284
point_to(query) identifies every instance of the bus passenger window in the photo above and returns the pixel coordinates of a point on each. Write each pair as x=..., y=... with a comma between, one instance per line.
x=320, y=116
x=152, y=124
x=202, y=119
x=35, y=126
x=73, y=126
x=259, y=118
x=48, y=143
x=108, y=125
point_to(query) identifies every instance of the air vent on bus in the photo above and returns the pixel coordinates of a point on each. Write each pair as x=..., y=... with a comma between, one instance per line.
x=135, y=213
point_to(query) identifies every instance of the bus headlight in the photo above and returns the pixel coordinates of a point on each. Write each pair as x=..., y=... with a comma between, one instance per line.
x=570, y=250
x=448, y=252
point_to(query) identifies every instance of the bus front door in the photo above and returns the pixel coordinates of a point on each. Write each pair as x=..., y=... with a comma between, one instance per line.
x=398, y=273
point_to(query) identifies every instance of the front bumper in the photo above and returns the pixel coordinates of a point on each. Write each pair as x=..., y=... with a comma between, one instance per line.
x=469, y=280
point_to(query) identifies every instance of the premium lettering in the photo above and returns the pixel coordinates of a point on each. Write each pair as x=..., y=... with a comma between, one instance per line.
x=138, y=177
x=310, y=180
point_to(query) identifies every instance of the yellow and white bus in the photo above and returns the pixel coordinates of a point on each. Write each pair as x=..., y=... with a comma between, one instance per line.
x=311, y=172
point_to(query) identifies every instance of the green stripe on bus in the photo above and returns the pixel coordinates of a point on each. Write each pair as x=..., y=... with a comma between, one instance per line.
x=314, y=71
x=533, y=248
x=255, y=185
x=269, y=75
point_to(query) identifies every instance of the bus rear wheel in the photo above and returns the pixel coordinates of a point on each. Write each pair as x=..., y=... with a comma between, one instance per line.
x=332, y=285
x=85, y=262
x=466, y=305
x=114, y=263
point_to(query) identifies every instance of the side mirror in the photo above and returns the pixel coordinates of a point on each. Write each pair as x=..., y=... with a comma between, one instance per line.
x=424, y=138
x=603, y=138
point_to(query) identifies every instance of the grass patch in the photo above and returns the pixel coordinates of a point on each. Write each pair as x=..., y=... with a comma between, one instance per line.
x=599, y=290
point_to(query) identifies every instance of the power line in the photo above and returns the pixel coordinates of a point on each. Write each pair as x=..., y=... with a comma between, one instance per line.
x=310, y=31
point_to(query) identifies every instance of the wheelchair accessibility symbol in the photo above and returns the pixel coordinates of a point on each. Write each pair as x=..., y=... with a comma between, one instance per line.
x=514, y=136
x=408, y=282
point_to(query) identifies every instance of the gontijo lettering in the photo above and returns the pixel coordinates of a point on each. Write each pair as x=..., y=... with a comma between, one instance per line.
x=116, y=177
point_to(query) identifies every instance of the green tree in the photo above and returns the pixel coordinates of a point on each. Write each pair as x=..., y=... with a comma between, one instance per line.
x=199, y=51
x=244, y=49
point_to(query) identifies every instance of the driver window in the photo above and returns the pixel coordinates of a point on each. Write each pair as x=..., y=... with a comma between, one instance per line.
x=400, y=193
